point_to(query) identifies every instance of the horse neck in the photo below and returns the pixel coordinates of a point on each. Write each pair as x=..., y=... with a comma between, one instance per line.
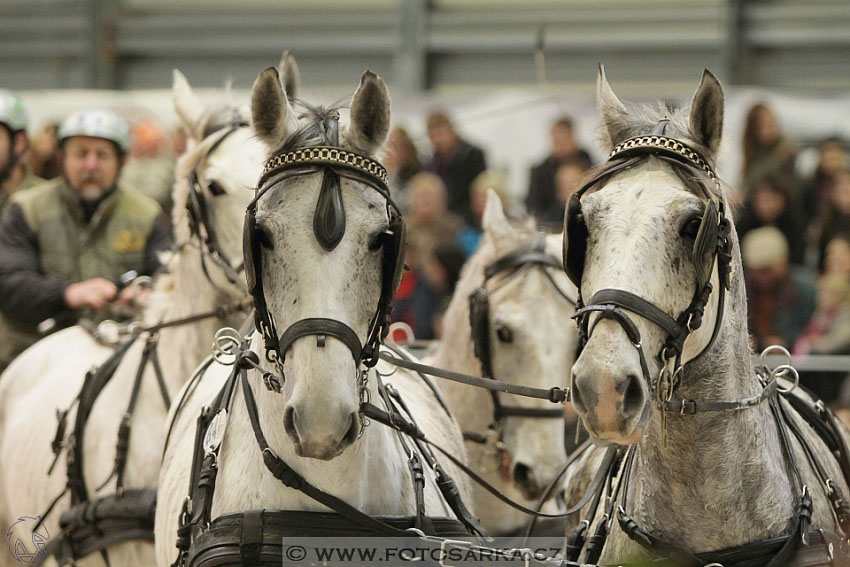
x=723, y=472
x=182, y=347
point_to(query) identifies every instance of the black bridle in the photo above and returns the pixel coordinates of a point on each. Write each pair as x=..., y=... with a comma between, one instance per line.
x=514, y=264
x=329, y=224
x=199, y=222
x=712, y=247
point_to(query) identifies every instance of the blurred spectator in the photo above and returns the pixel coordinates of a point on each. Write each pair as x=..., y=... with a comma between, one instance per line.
x=542, y=189
x=15, y=172
x=150, y=168
x=837, y=255
x=832, y=158
x=402, y=163
x=456, y=161
x=45, y=152
x=780, y=295
x=568, y=179
x=766, y=150
x=837, y=217
x=769, y=204
x=470, y=235
x=429, y=223
x=432, y=255
x=828, y=331
x=66, y=244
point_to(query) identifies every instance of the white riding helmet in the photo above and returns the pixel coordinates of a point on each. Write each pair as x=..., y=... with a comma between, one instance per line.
x=13, y=115
x=97, y=123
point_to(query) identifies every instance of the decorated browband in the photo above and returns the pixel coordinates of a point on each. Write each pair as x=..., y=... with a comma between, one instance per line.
x=667, y=145
x=327, y=155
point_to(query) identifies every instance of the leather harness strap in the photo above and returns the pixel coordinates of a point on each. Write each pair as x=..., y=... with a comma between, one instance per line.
x=555, y=395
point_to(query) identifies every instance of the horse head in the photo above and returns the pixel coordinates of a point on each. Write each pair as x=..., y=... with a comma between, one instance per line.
x=516, y=322
x=648, y=243
x=222, y=159
x=322, y=247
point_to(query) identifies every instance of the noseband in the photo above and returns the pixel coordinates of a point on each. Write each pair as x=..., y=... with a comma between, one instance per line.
x=329, y=226
x=712, y=247
x=511, y=265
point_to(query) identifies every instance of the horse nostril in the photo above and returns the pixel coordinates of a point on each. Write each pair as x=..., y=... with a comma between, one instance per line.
x=289, y=423
x=353, y=431
x=633, y=396
x=522, y=474
x=575, y=395
x=525, y=479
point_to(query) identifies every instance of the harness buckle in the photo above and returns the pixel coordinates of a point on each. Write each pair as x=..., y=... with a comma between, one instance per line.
x=689, y=407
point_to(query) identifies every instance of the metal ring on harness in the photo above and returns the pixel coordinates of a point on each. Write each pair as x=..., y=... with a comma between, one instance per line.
x=226, y=343
x=783, y=370
x=781, y=350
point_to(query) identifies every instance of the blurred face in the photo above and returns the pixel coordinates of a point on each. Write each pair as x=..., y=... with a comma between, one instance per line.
x=768, y=204
x=5, y=149
x=563, y=142
x=567, y=181
x=766, y=128
x=91, y=166
x=841, y=194
x=837, y=259
x=426, y=204
x=769, y=277
x=832, y=158
x=442, y=137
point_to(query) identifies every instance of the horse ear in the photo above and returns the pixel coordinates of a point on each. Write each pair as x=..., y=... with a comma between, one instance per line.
x=270, y=108
x=187, y=104
x=706, y=118
x=370, y=114
x=493, y=221
x=612, y=111
x=290, y=74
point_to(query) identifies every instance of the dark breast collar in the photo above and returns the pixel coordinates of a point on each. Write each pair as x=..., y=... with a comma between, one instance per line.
x=256, y=537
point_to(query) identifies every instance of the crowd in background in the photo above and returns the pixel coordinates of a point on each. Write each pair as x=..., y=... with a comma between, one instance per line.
x=794, y=227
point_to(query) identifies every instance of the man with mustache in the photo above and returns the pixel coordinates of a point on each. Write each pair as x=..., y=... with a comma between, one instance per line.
x=15, y=172
x=66, y=243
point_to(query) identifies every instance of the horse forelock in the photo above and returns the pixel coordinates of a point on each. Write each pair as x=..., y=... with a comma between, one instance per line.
x=313, y=120
x=642, y=119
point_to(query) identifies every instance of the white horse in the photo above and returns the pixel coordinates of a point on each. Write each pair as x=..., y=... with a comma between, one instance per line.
x=311, y=264
x=225, y=159
x=522, y=313
x=707, y=468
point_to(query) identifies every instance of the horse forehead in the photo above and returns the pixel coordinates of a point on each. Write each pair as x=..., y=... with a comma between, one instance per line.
x=238, y=158
x=293, y=201
x=650, y=193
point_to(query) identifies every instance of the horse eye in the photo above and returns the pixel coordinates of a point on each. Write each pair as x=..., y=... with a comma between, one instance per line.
x=215, y=188
x=377, y=240
x=504, y=333
x=264, y=236
x=691, y=228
